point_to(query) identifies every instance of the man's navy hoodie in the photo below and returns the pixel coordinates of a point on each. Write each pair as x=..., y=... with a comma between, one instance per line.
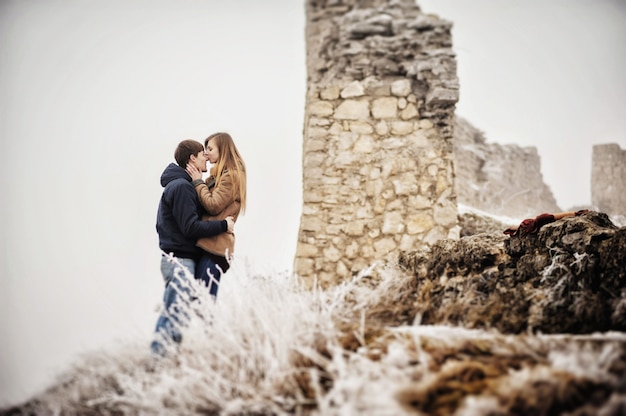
x=179, y=223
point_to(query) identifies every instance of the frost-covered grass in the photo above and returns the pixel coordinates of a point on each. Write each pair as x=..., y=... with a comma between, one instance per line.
x=270, y=346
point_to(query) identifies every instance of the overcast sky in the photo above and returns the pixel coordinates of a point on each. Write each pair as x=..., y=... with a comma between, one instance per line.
x=95, y=95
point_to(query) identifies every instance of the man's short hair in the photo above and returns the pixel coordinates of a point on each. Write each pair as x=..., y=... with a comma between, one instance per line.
x=185, y=149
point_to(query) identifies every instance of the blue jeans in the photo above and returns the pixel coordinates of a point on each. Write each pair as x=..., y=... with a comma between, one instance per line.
x=210, y=272
x=175, y=299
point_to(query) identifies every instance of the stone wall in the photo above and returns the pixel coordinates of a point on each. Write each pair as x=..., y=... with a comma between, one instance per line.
x=499, y=179
x=608, y=179
x=378, y=172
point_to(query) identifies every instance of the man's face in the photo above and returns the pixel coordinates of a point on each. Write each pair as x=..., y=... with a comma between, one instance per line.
x=212, y=151
x=199, y=161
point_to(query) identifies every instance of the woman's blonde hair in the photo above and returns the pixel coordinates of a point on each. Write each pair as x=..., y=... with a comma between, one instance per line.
x=229, y=160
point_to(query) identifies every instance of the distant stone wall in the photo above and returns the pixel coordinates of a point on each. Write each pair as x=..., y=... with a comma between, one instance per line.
x=499, y=179
x=608, y=179
x=378, y=171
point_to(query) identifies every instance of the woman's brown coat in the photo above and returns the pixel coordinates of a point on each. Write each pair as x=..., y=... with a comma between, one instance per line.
x=219, y=204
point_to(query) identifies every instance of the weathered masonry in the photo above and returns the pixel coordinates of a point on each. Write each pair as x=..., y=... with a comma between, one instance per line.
x=608, y=179
x=378, y=173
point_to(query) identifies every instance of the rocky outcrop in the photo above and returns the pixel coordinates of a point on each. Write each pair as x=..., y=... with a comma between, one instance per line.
x=498, y=179
x=567, y=278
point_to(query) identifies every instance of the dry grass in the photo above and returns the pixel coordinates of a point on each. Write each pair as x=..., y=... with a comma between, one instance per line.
x=272, y=347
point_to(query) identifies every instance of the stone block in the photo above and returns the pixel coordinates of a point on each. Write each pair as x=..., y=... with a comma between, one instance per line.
x=384, y=246
x=410, y=112
x=367, y=251
x=318, y=122
x=435, y=234
x=313, y=159
x=364, y=144
x=373, y=233
x=382, y=128
x=374, y=187
x=332, y=254
x=335, y=129
x=393, y=223
x=442, y=96
x=353, y=110
x=419, y=222
x=364, y=212
x=330, y=93
x=304, y=266
x=401, y=88
x=401, y=128
x=432, y=169
x=344, y=159
x=314, y=145
x=374, y=173
x=312, y=223
x=306, y=250
x=361, y=127
x=354, y=89
x=419, y=202
x=311, y=196
x=405, y=185
x=316, y=132
x=385, y=108
x=446, y=215
x=327, y=278
x=443, y=184
x=407, y=242
x=354, y=228
x=352, y=250
x=342, y=270
x=425, y=124
x=396, y=205
x=417, y=139
x=345, y=140
x=320, y=108
x=334, y=229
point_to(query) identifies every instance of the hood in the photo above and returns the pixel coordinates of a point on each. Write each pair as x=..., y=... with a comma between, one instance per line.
x=172, y=172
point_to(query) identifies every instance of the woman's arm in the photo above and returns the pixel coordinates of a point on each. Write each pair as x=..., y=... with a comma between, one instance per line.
x=216, y=200
x=186, y=216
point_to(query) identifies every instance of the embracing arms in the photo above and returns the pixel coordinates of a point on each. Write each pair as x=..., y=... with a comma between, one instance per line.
x=183, y=203
x=213, y=200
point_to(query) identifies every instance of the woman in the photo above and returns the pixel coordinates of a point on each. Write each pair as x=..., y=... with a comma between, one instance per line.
x=222, y=195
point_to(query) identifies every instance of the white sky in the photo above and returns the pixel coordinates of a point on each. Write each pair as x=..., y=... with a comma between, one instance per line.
x=95, y=95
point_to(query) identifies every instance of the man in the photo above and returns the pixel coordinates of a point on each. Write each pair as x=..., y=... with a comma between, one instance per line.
x=179, y=226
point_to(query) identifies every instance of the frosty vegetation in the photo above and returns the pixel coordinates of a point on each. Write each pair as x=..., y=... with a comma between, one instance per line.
x=270, y=346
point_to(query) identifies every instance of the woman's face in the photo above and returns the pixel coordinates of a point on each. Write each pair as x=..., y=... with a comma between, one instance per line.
x=212, y=152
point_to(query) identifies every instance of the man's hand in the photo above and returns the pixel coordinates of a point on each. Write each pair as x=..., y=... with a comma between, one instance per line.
x=231, y=225
x=193, y=172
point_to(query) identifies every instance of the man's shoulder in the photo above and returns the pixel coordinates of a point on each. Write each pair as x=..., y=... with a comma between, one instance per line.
x=179, y=185
x=178, y=182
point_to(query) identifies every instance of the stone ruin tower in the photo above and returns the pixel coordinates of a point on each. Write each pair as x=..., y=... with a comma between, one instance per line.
x=378, y=172
x=608, y=179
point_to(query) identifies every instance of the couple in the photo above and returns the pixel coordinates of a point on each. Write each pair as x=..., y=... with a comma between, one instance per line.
x=195, y=224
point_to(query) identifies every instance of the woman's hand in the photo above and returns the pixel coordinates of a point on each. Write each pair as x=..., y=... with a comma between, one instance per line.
x=231, y=224
x=193, y=171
